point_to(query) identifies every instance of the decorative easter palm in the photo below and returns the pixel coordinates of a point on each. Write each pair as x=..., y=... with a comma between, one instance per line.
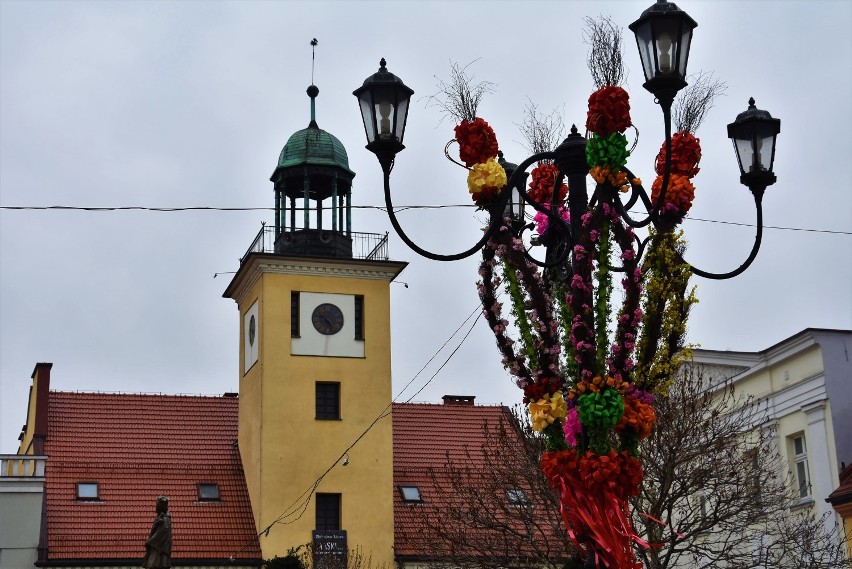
x=589, y=387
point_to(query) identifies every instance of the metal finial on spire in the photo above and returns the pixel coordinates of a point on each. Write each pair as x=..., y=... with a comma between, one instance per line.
x=314, y=43
x=312, y=90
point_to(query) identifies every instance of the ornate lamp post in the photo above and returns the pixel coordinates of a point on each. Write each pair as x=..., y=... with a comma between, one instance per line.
x=589, y=387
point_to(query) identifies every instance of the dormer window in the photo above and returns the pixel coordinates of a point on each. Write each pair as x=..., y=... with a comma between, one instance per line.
x=208, y=492
x=87, y=491
x=410, y=494
x=517, y=498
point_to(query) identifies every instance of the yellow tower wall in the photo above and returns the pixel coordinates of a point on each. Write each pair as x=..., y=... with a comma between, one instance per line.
x=284, y=448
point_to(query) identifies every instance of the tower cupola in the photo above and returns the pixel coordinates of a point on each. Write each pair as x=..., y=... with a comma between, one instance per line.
x=313, y=190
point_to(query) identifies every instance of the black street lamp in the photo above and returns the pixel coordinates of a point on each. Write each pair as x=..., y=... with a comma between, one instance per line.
x=663, y=34
x=384, y=101
x=753, y=135
x=589, y=367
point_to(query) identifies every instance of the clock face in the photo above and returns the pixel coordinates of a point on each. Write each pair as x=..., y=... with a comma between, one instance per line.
x=252, y=330
x=327, y=319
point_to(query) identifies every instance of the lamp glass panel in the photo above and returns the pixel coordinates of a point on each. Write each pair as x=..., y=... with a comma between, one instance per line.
x=745, y=154
x=666, y=34
x=384, y=105
x=765, y=151
x=683, y=49
x=645, y=44
x=401, y=118
x=365, y=101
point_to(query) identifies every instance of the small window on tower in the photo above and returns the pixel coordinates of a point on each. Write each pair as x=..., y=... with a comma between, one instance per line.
x=294, y=314
x=359, y=317
x=87, y=491
x=208, y=492
x=327, y=400
x=328, y=512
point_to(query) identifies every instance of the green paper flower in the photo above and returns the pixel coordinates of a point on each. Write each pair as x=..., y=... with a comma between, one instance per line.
x=607, y=151
x=602, y=409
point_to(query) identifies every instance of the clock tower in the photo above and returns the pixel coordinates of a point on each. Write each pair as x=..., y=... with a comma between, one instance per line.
x=315, y=361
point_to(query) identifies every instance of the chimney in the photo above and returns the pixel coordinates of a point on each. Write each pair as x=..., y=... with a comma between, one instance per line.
x=458, y=399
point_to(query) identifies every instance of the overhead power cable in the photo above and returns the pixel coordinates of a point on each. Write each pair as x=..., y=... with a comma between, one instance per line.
x=398, y=209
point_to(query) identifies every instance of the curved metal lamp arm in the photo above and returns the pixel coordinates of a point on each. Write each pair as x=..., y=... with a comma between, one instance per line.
x=494, y=224
x=758, y=198
x=492, y=228
x=653, y=209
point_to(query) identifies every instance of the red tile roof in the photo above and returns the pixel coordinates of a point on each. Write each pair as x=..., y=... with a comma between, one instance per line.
x=425, y=438
x=138, y=447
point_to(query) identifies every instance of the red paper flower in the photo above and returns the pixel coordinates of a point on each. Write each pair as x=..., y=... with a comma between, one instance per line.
x=545, y=386
x=615, y=472
x=477, y=141
x=560, y=464
x=679, y=195
x=542, y=180
x=686, y=153
x=609, y=111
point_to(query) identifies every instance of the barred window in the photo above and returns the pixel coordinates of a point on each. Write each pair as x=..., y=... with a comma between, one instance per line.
x=327, y=400
x=328, y=512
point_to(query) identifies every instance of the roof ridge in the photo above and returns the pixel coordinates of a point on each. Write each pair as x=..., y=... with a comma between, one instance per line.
x=140, y=393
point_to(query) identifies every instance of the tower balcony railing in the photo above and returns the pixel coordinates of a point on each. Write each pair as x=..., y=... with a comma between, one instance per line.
x=320, y=243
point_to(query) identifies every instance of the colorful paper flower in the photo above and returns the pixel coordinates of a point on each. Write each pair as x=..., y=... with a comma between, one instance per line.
x=573, y=428
x=541, y=388
x=616, y=179
x=639, y=418
x=542, y=220
x=485, y=181
x=542, y=181
x=686, y=153
x=547, y=410
x=602, y=409
x=609, y=111
x=678, y=198
x=477, y=141
x=610, y=151
x=614, y=472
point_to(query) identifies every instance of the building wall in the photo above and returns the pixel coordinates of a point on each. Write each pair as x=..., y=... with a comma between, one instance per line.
x=284, y=448
x=21, y=497
x=803, y=383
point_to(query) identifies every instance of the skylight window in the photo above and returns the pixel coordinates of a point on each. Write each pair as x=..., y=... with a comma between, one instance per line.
x=517, y=497
x=410, y=494
x=87, y=491
x=208, y=492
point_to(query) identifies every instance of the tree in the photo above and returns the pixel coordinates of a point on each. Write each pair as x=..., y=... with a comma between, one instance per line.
x=499, y=510
x=716, y=491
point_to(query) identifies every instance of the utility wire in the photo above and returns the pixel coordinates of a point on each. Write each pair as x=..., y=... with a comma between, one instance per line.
x=398, y=209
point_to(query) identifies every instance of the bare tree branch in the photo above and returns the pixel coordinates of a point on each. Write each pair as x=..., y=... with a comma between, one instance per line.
x=500, y=511
x=715, y=478
x=541, y=132
x=695, y=101
x=605, y=60
x=459, y=97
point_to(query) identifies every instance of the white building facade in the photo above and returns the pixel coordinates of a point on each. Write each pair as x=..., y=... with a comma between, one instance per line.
x=804, y=383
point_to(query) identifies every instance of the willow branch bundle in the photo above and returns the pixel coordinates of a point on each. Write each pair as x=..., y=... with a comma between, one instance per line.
x=605, y=60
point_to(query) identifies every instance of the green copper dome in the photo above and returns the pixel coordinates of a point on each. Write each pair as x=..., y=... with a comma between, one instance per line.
x=315, y=147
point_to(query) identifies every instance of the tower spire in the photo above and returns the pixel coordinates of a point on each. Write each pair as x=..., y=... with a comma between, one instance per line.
x=313, y=91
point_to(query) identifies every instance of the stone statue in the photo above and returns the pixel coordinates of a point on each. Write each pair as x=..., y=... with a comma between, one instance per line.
x=158, y=546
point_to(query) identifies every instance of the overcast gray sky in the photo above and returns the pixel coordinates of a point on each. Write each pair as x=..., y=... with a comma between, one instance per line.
x=178, y=104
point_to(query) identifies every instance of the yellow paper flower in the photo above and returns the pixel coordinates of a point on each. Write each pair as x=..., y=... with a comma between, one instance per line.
x=485, y=181
x=546, y=410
